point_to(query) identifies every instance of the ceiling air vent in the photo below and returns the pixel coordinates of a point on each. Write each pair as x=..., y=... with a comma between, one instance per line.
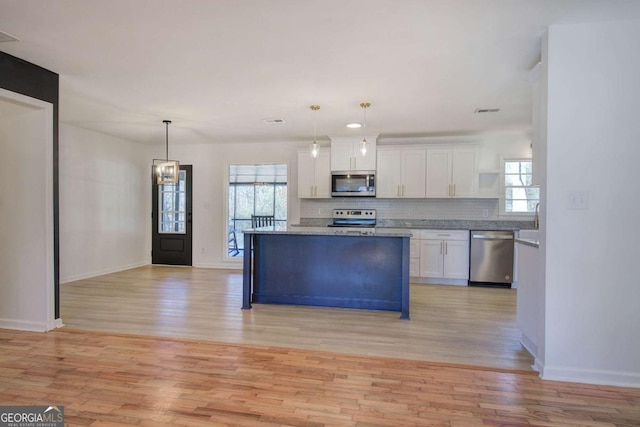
x=486, y=110
x=6, y=37
x=273, y=121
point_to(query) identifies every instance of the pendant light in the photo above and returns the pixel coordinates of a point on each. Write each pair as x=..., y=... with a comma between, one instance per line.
x=166, y=170
x=364, y=145
x=315, y=148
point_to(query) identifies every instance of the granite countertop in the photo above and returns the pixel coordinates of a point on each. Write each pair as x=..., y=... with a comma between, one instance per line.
x=435, y=224
x=330, y=231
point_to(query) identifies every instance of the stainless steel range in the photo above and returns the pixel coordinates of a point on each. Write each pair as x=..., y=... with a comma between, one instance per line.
x=354, y=218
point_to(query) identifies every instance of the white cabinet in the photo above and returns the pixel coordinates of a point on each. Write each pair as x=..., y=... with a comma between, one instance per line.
x=414, y=254
x=452, y=172
x=314, y=175
x=401, y=172
x=346, y=155
x=444, y=254
x=529, y=298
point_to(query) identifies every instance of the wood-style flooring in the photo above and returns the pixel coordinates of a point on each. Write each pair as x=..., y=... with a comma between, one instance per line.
x=449, y=324
x=162, y=346
x=106, y=379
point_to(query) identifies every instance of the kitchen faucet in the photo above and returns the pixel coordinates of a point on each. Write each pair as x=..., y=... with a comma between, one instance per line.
x=536, y=221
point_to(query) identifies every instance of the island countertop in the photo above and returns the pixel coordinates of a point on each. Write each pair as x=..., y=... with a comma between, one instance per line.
x=331, y=231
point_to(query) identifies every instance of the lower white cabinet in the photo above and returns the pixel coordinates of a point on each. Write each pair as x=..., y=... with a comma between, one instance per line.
x=443, y=256
x=414, y=253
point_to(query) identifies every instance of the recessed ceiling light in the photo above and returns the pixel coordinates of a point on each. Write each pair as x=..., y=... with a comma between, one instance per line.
x=486, y=110
x=354, y=125
x=273, y=121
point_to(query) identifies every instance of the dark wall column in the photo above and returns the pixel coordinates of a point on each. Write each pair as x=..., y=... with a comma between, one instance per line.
x=25, y=78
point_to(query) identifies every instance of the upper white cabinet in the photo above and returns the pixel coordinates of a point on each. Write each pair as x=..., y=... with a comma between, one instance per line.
x=452, y=172
x=346, y=155
x=401, y=172
x=314, y=175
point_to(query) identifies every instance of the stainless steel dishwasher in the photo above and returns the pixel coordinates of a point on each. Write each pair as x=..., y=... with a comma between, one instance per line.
x=491, y=258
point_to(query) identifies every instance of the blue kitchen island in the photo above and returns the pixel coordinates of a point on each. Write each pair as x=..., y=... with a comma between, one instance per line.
x=329, y=267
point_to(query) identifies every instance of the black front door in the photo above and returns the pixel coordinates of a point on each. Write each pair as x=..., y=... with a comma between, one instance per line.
x=171, y=218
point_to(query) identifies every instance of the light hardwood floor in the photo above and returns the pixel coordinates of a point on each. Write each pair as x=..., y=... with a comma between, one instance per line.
x=105, y=379
x=181, y=377
x=449, y=324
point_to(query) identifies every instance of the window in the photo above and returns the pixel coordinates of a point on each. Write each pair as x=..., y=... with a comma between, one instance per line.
x=172, y=206
x=519, y=194
x=254, y=190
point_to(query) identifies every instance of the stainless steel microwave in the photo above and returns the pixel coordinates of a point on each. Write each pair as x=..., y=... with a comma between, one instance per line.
x=353, y=183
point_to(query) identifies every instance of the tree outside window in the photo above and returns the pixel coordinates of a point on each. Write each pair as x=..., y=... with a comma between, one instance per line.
x=254, y=190
x=520, y=196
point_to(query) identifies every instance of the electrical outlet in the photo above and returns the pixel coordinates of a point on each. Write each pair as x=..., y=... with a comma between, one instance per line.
x=485, y=213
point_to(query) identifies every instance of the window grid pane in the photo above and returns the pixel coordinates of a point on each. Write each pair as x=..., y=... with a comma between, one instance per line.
x=520, y=197
x=172, y=206
x=252, y=193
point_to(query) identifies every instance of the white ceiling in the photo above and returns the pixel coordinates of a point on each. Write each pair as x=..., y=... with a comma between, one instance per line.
x=217, y=68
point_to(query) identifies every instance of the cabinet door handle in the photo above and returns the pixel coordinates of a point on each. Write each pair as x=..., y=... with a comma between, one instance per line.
x=446, y=248
x=454, y=190
x=449, y=192
x=402, y=190
x=441, y=244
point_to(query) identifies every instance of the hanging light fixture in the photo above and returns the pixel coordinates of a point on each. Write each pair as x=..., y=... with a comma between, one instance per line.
x=364, y=145
x=315, y=148
x=166, y=171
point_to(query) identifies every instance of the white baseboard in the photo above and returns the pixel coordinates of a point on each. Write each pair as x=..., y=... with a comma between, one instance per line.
x=439, y=281
x=24, y=325
x=538, y=365
x=91, y=274
x=529, y=345
x=592, y=376
x=221, y=265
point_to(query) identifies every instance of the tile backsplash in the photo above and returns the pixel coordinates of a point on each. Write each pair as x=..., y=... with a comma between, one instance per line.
x=463, y=209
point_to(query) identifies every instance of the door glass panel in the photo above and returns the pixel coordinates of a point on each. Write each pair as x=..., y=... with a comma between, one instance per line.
x=172, y=202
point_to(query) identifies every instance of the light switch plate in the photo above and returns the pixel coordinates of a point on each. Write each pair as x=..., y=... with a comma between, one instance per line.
x=578, y=200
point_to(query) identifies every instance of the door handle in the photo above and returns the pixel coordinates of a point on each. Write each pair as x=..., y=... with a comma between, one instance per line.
x=402, y=190
x=441, y=244
x=454, y=190
x=446, y=248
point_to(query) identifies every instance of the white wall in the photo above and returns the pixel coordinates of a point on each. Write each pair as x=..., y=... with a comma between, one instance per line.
x=210, y=181
x=26, y=215
x=593, y=146
x=105, y=203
